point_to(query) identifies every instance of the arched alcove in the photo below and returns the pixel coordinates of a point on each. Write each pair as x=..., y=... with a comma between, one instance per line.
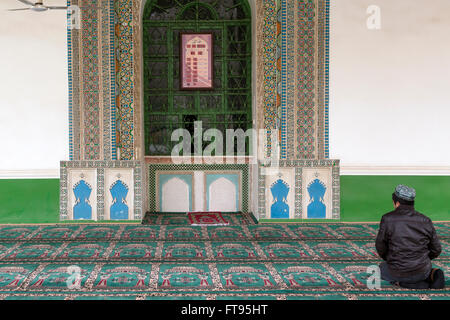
x=222, y=196
x=165, y=105
x=175, y=196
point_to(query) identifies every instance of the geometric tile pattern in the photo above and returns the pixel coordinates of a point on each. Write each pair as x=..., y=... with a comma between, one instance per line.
x=311, y=89
x=104, y=81
x=299, y=165
x=100, y=168
x=125, y=77
x=91, y=82
x=153, y=168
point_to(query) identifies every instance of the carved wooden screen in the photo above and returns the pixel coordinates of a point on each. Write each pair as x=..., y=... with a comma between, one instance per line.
x=166, y=107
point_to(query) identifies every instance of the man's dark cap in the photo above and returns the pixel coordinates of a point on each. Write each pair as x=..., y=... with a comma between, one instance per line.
x=405, y=193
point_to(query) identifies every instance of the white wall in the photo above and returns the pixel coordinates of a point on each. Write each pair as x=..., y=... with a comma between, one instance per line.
x=386, y=86
x=390, y=89
x=34, y=128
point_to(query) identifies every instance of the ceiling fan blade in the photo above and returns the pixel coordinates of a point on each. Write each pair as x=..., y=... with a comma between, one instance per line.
x=27, y=2
x=56, y=8
x=19, y=9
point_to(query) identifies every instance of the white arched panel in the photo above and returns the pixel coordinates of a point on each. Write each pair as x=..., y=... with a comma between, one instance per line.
x=222, y=196
x=175, y=196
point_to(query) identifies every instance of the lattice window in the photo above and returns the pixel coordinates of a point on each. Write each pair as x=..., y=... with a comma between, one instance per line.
x=166, y=107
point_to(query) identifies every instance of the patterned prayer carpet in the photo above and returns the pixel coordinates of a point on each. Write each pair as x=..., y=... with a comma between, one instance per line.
x=207, y=218
x=179, y=261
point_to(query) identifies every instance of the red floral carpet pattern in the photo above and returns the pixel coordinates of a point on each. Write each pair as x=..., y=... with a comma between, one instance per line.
x=207, y=218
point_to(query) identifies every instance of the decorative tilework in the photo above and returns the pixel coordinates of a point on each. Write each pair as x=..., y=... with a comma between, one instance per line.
x=299, y=166
x=296, y=77
x=269, y=54
x=124, y=77
x=90, y=83
x=290, y=81
x=306, y=109
x=91, y=92
x=281, y=75
x=100, y=167
x=153, y=168
x=322, y=78
x=70, y=84
x=312, y=84
x=327, y=79
x=73, y=36
x=104, y=82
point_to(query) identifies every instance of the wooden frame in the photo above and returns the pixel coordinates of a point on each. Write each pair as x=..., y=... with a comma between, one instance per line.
x=188, y=80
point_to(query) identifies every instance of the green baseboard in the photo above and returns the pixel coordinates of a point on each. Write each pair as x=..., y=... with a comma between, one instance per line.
x=29, y=201
x=367, y=198
x=363, y=199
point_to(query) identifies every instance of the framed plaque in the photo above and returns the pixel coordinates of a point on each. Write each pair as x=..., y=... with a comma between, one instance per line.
x=196, y=61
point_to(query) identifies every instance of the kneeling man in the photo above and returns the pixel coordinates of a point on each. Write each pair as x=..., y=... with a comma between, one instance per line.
x=407, y=242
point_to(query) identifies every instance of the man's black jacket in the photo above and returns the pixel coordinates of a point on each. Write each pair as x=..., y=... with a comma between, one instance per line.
x=407, y=241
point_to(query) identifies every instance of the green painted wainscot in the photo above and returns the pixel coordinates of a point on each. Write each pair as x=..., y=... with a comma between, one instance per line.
x=363, y=198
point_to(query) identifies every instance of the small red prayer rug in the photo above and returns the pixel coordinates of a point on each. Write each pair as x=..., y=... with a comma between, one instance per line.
x=206, y=218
